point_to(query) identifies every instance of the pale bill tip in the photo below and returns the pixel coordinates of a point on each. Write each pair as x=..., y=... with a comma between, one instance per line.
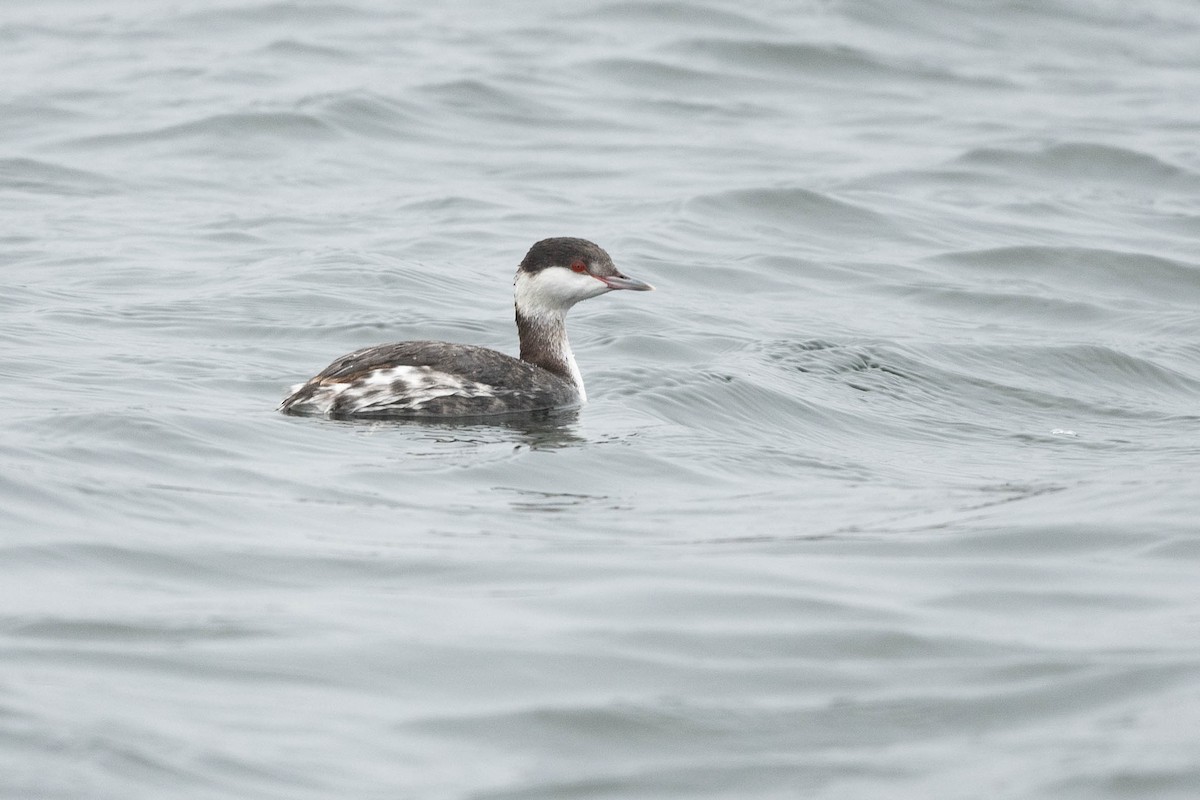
x=625, y=282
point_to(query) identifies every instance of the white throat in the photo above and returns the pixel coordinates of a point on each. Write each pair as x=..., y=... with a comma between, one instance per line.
x=554, y=290
x=542, y=300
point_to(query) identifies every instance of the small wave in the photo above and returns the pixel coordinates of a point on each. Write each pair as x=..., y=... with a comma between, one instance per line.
x=125, y=631
x=792, y=207
x=991, y=386
x=821, y=356
x=813, y=61
x=688, y=15
x=1046, y=309
x=829, y=368
x=272, y=125
x=1084, y=161
x=486, y=99
x=454, y=206
x=25, y=118
x=660, y=75
x=273, y=14
x=42, y=177
x=790, y=57
x=308, y=50
x=368, y=114
x=1076, y=273
x=1101, y=373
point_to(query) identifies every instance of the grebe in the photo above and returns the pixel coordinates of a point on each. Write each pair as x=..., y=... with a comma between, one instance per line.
x=439, y=379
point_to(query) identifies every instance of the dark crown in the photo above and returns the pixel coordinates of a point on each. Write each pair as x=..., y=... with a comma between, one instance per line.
x=562, y=251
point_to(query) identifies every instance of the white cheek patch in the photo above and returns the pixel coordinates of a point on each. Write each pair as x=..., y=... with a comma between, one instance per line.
x=555, y=289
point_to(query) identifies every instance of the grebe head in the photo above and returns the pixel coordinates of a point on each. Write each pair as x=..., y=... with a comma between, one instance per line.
x=558, y=273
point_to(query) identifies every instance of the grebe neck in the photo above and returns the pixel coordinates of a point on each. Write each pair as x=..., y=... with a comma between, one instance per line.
x=543, y=335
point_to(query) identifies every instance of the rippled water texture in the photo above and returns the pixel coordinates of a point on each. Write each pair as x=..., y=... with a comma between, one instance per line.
x=889, y=491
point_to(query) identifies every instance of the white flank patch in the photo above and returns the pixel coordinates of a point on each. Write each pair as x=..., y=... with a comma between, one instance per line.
x=373, y=391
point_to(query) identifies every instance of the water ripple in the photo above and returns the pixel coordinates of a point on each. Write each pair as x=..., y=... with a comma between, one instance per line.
x=790, y=209
x=1085, y=161
x=889, y=490
x=29, y=175
x=280, y=126
x=1137, y=277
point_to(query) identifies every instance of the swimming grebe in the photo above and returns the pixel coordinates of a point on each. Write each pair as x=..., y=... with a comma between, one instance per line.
x=439, y=379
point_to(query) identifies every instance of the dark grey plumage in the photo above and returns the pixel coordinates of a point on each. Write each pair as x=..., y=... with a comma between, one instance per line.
x=440, y=379
x=562, y=251
x=514, y=384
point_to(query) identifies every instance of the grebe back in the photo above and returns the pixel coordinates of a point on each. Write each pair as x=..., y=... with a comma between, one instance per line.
x=440, y=379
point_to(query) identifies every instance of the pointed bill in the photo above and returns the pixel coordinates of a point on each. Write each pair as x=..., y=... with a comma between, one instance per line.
x=625, y=282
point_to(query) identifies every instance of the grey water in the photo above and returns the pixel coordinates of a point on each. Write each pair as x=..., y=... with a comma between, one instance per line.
x=888, y=491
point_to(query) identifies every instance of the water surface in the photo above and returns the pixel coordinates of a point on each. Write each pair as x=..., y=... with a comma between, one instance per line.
x=888, y=491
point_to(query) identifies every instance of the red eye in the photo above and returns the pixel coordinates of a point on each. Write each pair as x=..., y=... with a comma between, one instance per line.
x=579, y=266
